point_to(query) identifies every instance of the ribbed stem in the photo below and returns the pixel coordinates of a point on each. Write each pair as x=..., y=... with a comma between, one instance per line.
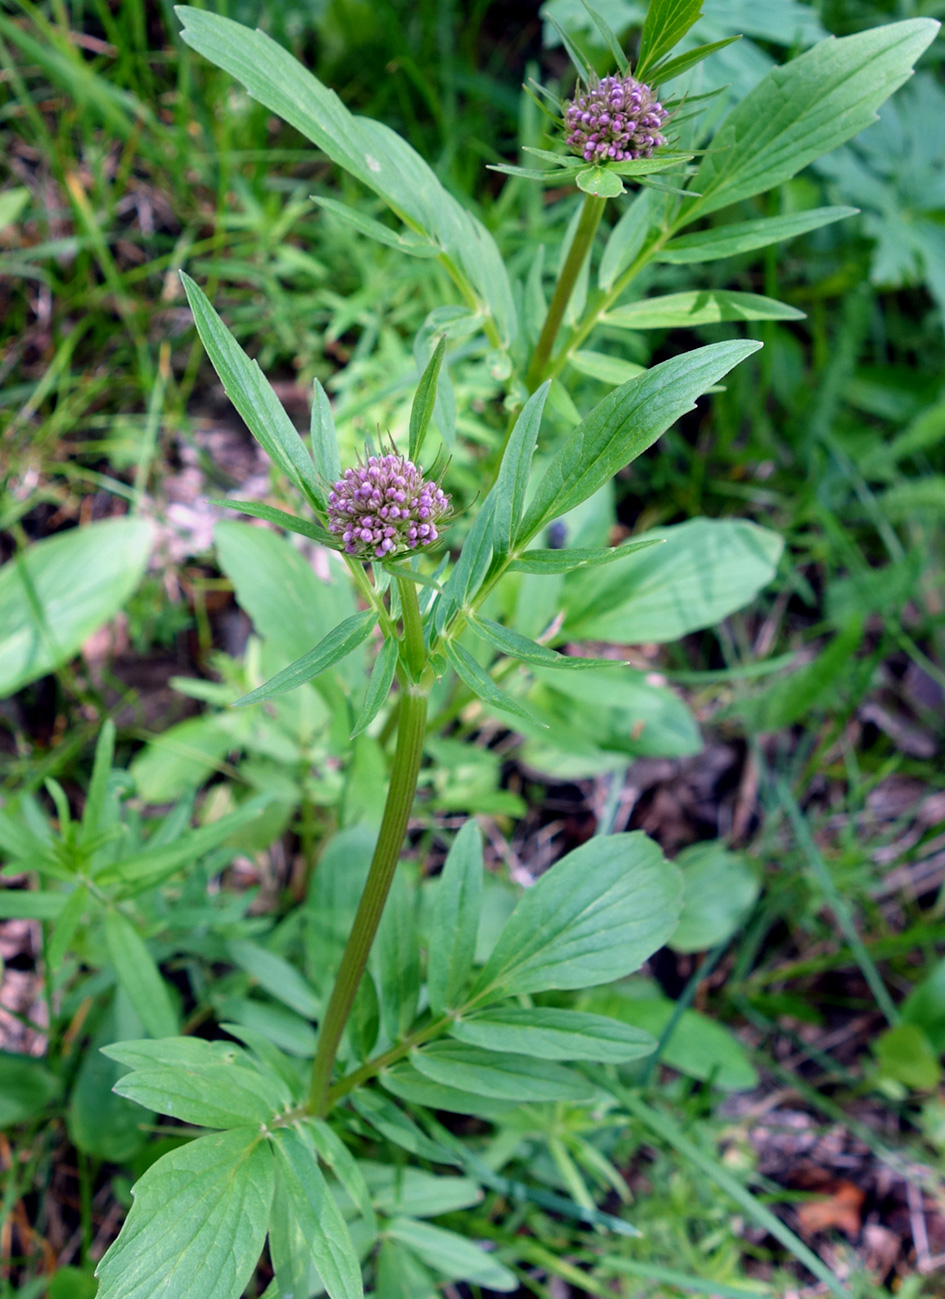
x=591, y=213
x=390, y=840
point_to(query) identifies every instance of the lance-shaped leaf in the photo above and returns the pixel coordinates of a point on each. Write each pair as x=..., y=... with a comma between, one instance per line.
x=370, y=151
x=508, y=491
x=197, y=1224
x=682, y=63
x=482, y=685
x=404, y=241
x=698, y=307
x=455, y=919
x=666, y=23
x=547, y=562
x=322, y=436
x=594, y=917
x=517, y=646
x=746, y=236
x=623, y=425
x=138, y=974
x=805, y=109
x=339, y=642
x=499, y=1074
x=149, y=867
x=452, y=1255
x=282, y=519
x=252, y=395
x=421, y=411
x=311, y=1230
x=548, y=1033
x=378, y=687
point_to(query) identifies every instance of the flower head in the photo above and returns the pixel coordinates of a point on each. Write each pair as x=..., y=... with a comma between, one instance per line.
x=615, y=120
x=385, y=506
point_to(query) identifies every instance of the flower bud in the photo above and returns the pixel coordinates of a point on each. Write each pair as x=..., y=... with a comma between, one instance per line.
x=385, y=507
x=615, y=120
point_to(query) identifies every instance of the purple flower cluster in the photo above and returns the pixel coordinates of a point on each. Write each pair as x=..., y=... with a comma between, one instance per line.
x=384, y=507
x=615, y=120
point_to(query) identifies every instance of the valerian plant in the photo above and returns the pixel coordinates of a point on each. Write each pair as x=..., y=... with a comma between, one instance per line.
x=469, y=603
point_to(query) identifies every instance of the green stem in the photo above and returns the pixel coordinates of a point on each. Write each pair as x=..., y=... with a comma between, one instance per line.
x=400, y=795
x=591, y=214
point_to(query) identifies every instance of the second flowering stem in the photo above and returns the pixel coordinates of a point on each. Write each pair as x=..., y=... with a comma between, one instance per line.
x=591, y=213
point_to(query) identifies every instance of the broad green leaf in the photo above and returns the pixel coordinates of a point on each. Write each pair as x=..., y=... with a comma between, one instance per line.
x=599, y=182
x=274, y=973
x=198, y=1222
x=451, y=1255
x=594, y=917
x=420, y=1194
x=623, y=425
x=321, y=1228
x=290, y=605
x=511, y=484
x=421, y=410
x=546, y=1033
x=706, y=570
x=370, y=151
x=548, y=562
x=481, y=684
x=378, y=687
x=455, y=921
x=404, y=241
x=282, y=519
x=152, y=865
x=666, y=23
x=698, y=307
x=252, y=395
x=209, y=1089
x=509, y=642
x=26, y=1088
x=719, y=891
x=58, y=591
x=139, y=975
x=499, y=1074
x=699, y=1047
x=339, y=642
x=747, y=236
x=805, y=109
